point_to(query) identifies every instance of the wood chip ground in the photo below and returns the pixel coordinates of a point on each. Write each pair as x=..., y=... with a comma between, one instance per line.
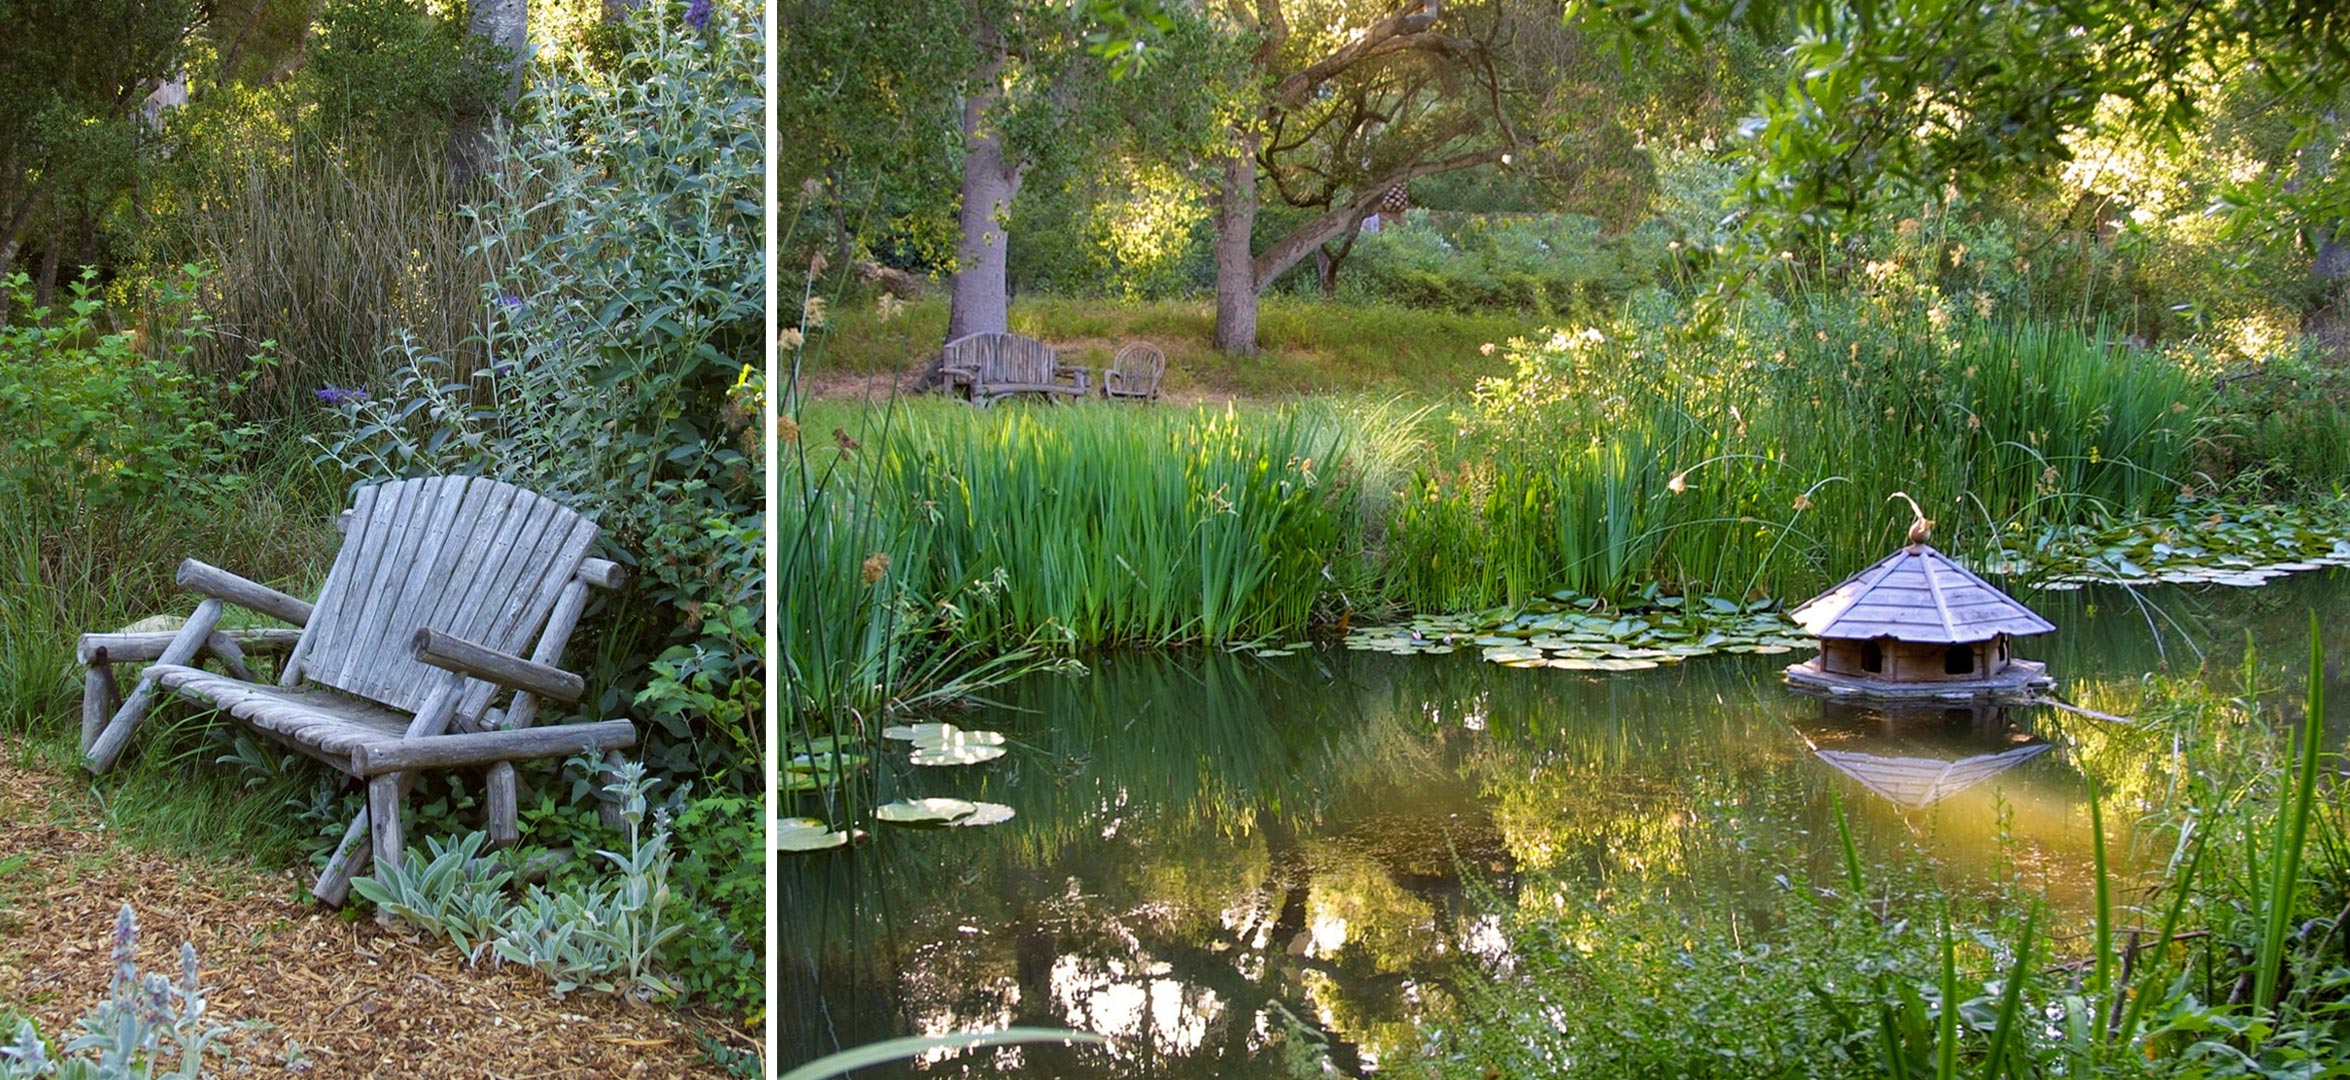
x=309, y=991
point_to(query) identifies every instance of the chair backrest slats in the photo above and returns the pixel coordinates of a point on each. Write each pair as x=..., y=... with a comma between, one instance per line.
x=476, y=558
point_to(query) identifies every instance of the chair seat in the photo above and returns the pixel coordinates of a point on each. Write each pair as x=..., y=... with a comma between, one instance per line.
x=327, y=721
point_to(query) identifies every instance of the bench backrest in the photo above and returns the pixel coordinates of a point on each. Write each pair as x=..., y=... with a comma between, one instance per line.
x=475, y=558
x=1003, y=358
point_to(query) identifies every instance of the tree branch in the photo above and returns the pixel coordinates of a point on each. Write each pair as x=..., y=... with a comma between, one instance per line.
x=1301, y=241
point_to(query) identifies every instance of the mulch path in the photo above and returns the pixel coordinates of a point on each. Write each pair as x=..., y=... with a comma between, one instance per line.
x=309, y=991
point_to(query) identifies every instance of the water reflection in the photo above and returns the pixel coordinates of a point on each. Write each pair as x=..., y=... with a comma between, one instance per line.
x=1248, y=867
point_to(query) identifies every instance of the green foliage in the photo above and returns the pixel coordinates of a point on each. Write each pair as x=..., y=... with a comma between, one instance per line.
x=148, y=1027
x=394, y=71
x=627, y=307
x=1633, y=453
x=604, y=937
x=102, y=419
x=948, y=527
x=1553, y=266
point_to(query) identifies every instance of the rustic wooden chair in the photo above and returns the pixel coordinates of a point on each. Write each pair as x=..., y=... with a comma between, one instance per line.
x=1133, y=375
x=440, y=585
x=987, y=368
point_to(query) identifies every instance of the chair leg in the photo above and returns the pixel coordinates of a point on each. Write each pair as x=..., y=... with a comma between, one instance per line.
x=109, y=743
x=384, y=795
x=504, y=830
x=354, y=852
x=101, y=698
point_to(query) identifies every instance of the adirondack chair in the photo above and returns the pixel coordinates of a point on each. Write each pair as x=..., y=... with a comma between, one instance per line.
x=440, y=585
x=989, y=367
x=1133, y=375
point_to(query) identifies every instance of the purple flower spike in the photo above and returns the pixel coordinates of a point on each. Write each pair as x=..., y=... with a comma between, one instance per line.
x=697, y=14
x=341, y=395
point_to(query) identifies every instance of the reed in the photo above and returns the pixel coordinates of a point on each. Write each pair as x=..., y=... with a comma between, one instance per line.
x=930, y=527
x=1614, y=459
x=333, y=254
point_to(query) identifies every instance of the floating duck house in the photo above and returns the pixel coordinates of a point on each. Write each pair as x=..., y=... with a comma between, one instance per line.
x=1918, y=626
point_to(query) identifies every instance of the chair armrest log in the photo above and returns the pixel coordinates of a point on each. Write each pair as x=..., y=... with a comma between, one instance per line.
x=490, y=747
x=602, y=573
x=219, y=584
x=137, y=648
x=505, y=669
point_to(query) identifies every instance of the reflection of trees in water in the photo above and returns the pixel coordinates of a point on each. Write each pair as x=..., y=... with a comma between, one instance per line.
x=1214, y=856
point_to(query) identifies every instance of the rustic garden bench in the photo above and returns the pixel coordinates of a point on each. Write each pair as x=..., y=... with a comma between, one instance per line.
x=439, y=586
x=1133, y=375
x=988, y=367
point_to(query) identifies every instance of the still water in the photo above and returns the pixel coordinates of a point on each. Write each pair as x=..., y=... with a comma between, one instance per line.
x=1215, y=855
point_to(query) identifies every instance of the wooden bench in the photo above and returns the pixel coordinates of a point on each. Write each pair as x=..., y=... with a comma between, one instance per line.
x=440, y=586
x=1133, y=375
x=986, y=368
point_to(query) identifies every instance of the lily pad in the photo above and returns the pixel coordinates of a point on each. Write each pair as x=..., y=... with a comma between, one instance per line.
x=806, y=834
x=924, y=813
x=916, y=732
x=955, y=755
x=986, y=813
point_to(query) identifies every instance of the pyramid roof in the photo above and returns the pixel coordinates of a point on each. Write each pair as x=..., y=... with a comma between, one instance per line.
x=1917, y=594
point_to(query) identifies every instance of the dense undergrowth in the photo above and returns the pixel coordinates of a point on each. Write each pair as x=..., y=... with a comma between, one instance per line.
x=141, y=429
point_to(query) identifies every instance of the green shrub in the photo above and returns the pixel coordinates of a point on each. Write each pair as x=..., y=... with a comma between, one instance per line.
x=98, y=419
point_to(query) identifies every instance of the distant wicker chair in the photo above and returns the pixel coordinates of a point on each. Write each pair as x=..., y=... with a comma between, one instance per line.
x=1133, y=375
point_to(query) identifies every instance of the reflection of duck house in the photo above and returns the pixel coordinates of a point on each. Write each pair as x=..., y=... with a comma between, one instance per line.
x=1914, y=772
x=1918, y=626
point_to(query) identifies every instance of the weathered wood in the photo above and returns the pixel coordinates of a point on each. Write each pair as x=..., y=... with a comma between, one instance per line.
x=427, y=568
x=1133, y=375
x=139, y=648
x=456, y=654
x=219, y=584
x=117, y=734
x=602, y=573
x=384, y=796
x=504, y=827
x=525, y=709
x=988, y=366
x=96, y=683
x=232, y=659
x=487, y=747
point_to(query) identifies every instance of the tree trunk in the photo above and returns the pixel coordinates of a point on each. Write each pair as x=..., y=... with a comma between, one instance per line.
x=978, y=298
x=1236, y=278
x=503, y=24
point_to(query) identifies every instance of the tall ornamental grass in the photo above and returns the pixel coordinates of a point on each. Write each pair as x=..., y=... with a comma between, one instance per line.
x=934, y=525
x=1763, y=459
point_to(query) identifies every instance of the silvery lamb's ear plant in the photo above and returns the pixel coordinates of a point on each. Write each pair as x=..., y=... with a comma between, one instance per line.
x=605, y=939
x=455, y=892
x=147, y=1025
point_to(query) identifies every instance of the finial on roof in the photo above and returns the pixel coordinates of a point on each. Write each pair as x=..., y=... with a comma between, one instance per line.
x=1921, y=527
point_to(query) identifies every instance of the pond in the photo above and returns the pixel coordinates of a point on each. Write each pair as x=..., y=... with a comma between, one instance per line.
x=1216, y=856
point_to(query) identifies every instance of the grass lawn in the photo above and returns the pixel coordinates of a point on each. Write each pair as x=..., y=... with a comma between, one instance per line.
x=1310, y=347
